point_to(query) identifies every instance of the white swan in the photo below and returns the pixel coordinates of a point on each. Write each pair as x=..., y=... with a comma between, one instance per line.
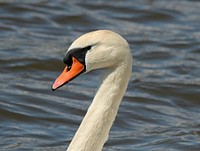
x=98, y=49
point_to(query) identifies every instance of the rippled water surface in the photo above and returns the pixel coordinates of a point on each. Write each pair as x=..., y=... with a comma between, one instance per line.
x=161, y=108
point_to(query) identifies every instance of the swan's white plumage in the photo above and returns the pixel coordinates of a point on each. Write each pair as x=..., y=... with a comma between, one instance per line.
x=110, y=52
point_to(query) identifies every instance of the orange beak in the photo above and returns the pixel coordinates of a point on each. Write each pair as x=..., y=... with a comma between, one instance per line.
x=68, y=74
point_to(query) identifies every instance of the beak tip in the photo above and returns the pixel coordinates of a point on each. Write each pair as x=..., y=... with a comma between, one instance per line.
x=52, y=88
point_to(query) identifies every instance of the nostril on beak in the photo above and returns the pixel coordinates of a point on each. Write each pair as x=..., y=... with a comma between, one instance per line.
x=69, y=67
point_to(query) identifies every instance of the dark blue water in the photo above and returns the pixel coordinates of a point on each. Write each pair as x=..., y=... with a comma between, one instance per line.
x=161, y=108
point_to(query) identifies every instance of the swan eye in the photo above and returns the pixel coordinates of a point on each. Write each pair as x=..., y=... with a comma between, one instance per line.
x=88, y=47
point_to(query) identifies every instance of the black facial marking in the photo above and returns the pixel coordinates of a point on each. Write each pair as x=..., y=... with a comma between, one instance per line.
x=78, y=53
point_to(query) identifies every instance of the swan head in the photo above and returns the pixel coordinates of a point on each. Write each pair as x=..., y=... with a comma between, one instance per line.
x=94, y=50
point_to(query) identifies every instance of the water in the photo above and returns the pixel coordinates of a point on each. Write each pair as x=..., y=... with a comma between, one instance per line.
x=160, y=110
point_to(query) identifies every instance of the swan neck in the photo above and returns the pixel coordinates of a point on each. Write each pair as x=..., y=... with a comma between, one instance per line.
x=94, y=129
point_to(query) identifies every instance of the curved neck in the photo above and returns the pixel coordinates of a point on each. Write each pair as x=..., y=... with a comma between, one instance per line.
x=94, y=129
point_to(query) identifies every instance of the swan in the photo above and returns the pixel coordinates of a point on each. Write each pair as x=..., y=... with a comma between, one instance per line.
x=94, y=50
